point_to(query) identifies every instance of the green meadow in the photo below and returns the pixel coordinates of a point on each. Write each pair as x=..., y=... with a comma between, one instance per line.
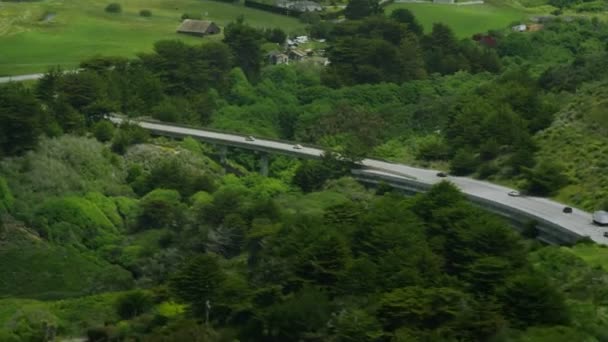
x=464, y=20
x=79, y=29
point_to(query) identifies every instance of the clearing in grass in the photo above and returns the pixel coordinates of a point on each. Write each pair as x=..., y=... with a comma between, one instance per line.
x=464, y=20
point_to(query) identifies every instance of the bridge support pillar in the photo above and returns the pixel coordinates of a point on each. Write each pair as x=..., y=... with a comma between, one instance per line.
x=264, y=164
x=223, y=151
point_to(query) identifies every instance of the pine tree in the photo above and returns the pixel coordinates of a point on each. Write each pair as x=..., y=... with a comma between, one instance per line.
x=197, y=283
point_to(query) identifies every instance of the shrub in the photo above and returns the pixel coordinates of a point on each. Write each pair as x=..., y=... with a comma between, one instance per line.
x=103, y=131
x=133, y=304
x=128, y=134
x=145, y=13
x=98, y=334
x=75, y=216
x=114, y=8
x=546, y=178
x=195, y=16
x=107, y=206
x=160, y=208
x=463, y=163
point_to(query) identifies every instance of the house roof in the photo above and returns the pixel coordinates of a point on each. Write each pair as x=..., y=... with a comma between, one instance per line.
x=298, y=52
x=194, y=26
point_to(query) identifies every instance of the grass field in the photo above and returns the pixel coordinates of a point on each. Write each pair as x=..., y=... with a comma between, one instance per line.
x=464, y=20
x=81, y=29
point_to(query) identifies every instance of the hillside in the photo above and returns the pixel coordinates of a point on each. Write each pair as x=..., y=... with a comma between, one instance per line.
x=112, y=234
x=577, y=138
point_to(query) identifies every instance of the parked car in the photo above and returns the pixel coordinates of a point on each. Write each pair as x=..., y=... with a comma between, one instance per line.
x=297, y=147
x=514, y=193
x=442, y=174
x=249, y=138
x=567, y=210
x=600, y=218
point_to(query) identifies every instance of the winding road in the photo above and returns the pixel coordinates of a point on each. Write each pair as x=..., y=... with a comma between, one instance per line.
x=578, y=222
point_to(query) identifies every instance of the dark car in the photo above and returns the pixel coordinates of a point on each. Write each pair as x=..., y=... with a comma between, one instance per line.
x=442, y=174
x=567, y=210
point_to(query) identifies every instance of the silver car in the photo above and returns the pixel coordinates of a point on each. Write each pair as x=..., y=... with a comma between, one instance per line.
x=600, y=218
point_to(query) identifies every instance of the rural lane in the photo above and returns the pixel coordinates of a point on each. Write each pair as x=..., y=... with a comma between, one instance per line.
x=20, y=78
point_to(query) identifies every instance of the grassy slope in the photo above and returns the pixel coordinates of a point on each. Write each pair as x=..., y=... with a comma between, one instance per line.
x=577, y=139
x=35, y=269
x=82, y=29
x=464, y=20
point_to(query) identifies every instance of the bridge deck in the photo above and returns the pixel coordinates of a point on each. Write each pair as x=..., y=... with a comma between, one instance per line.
x=578, y=223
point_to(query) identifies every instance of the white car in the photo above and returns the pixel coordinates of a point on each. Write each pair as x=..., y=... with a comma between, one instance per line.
x=514, y=193
x=249, y=138
x=297, y=147
x=600, y=218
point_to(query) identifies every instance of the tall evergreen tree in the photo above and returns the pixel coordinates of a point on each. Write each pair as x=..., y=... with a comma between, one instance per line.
x=197, y=283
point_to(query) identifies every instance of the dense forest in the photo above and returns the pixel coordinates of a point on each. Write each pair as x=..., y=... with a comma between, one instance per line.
x=109, y=233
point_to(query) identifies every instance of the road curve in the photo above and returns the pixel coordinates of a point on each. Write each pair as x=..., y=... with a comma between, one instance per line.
x=578, y=222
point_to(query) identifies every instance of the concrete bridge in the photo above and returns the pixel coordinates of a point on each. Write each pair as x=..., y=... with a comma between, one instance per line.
x=554, y=226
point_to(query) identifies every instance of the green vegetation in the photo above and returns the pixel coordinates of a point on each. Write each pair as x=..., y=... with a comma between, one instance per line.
x=464, y=20
x=127, y=236
x=114, y=8
x=31, y=41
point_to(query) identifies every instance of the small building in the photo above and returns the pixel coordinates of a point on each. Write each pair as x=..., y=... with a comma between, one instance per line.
x=198, y=27
x=300, y=6
x=485, y=40
x=301, y=39
x=519, y=28
x=277, y=57
x=296, y=55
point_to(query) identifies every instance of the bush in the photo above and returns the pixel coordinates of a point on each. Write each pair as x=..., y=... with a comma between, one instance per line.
x=546, y=178
x=145, y=13
x=98, y=334
x=160, y=208
x=128, y=134
x=114, y=8
x=463, y=163
x=195, y=16
x=103, y=131
x=75, y=217
x=133, y=304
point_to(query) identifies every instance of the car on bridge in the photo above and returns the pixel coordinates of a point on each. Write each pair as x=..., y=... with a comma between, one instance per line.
x=514, y=193
x=297, y=147
x=249, y=138
x=600, y=218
